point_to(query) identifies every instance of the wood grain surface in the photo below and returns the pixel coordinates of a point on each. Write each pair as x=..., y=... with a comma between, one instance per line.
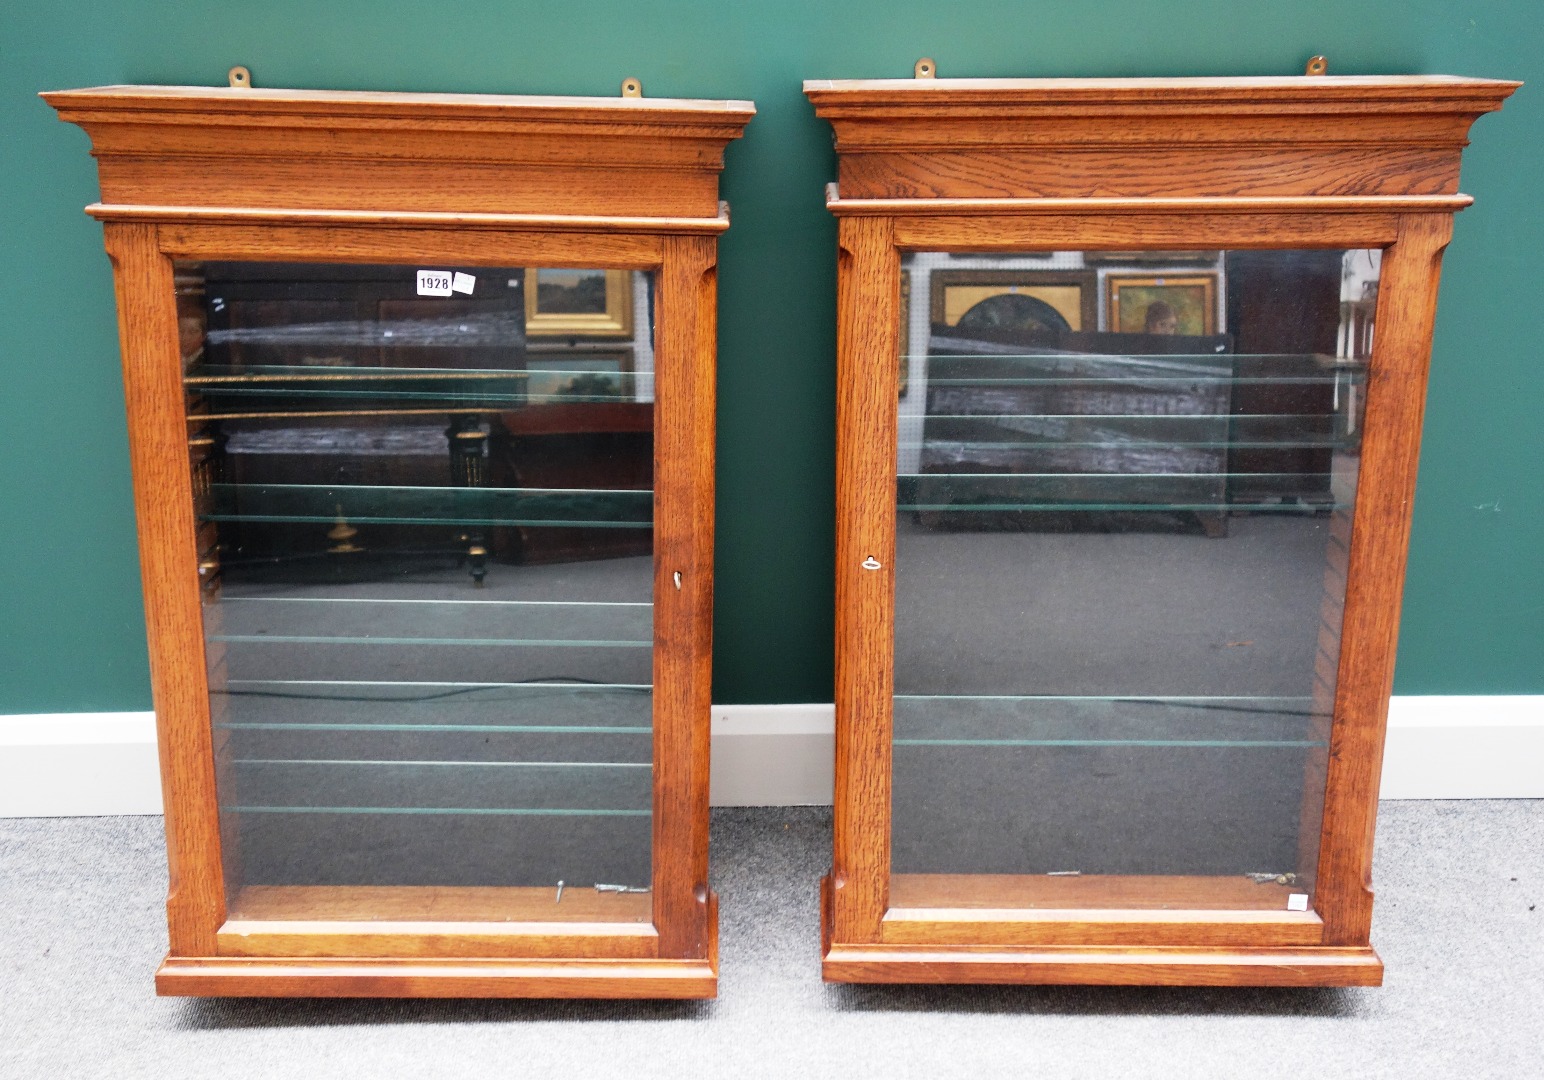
x=388, y=243
x=448, y=978
x=461, y=223
x=1106, y=965
x=468, y=153
x=1069, y=230
x=683, y=615
x=435, y=903
x=838, y=203
x=1094, y=909
x=1133, y=892
x=1380, y=539
x=163, y=502
x=868, y=298
x=1083, y=138
x=472, y=940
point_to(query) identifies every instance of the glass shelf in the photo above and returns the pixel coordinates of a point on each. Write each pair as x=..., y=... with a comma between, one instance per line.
x=967, y=433
x=228, y=392
x=1215, y=722
x=525, y=725
x=413, y=786
x=387, y=621
x=1063, y=369
x=461, y=330
x=481, y=729
x=1080, y=491
x=439, y=706
x=471, y=810
x=366, y=641
x=372, y=639
x=351, y=377
x=399, y=764
x=469, y=506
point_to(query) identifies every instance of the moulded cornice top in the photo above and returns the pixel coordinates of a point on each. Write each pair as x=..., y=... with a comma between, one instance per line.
x=1249, y=137
x=206, y=149
x=1250, y=92
x=203, y=104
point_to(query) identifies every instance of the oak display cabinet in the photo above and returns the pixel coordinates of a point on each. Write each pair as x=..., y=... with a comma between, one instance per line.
x=427, y=556
x=1130, y=382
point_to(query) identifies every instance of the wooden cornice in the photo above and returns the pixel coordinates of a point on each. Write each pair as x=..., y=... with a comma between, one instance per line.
x=1305, y=136
x=383, y=153
x=221, y=215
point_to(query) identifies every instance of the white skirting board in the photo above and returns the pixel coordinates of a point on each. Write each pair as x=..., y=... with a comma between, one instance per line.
x=1447, y=747
x=79, y=765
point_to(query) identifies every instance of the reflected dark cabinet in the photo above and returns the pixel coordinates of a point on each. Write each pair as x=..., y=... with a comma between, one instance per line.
x=1288, y=303
x=1129, y=385
x=427, y=558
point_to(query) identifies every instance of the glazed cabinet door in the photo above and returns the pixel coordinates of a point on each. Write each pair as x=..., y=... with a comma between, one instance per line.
x=425, y=550
x=1124, y=484
x=435, y=718
x=1096, y=679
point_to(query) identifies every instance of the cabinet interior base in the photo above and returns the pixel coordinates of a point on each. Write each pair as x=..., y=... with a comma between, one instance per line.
x=472, y=978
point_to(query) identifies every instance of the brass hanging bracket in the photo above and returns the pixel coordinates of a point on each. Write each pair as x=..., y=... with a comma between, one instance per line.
x=1317, y=65
x=240, y=77
x=925, y=68
x=632, y=88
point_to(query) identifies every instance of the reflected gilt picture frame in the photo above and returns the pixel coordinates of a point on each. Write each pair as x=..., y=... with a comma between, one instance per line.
x=570, y=302
x=554, y=377
x=1191, y=297
x=1073, y=293
x=1154, y=256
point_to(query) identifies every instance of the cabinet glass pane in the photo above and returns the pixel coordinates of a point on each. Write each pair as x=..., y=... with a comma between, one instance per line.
x=1124, y=494
x=426, y=538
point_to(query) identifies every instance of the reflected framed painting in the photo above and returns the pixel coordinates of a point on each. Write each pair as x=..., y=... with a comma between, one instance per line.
x=1151, y=257
x=1013, y=299
x=563, y=302
x=1161, y=304
x=573, y=379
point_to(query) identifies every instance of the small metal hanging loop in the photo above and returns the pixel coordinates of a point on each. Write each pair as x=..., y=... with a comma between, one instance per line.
x=632, y=88
x=871, y=563
x=240, y=77
x=1317, y=65
x=925, y=68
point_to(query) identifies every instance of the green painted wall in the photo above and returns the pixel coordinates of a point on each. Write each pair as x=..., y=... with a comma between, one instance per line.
x=70, y=618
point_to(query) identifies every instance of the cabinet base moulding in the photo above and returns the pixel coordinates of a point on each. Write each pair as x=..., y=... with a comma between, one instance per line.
x=291, y=977
x=1115, y=966
x=1092, y=965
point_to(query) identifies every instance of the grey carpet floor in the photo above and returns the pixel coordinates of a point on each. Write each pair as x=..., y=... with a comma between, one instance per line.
x=1458, y=923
